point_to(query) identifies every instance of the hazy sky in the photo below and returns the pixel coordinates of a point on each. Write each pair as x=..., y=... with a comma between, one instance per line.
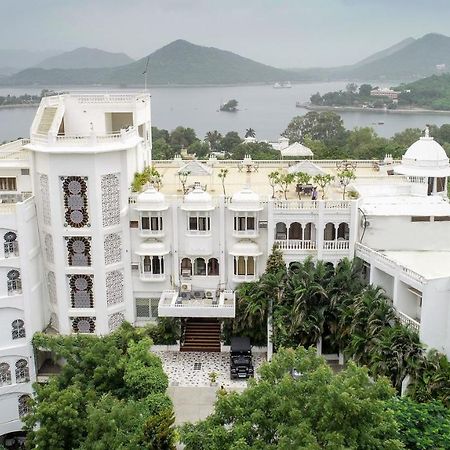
x=285, y=33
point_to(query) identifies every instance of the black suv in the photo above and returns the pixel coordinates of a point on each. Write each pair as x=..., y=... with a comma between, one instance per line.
x=241, y=364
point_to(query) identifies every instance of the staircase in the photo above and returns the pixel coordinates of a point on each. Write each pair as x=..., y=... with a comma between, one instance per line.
x=201, y=335
x=46, y=120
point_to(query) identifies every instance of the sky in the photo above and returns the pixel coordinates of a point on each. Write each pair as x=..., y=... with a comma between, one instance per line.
x=283, y=33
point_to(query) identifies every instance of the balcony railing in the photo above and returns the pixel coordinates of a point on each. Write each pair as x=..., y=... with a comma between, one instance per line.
x=172, y=305
x=148, y=276
x=336, y=245
x=295, y=244
x=409, y=321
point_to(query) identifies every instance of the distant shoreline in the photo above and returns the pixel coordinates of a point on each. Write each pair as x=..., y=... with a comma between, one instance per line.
x=20, y=105
x=311, y=107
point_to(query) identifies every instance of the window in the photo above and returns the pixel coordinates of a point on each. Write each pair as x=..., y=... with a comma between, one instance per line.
x=81, y=291
x=24, y=171
x=153, y=265
x=22, y=371
x=147, y=308
x=440, y=184
x=343, y=231
x=75, y=201
x=213, y=267
x=152, y=222
x=5, y=374
x=11, y=246
x=199, y=267
x=329, y=232
x=134, y=224
x=14, y=282
x=18, y=329
x=441, y=218
x=244, y=223
x=295, y=231
x=8, y=184
x=24, y=405
x=420, y=219
x=280, y=231
x=79, y=251
x=244, y=265
x=197, y=222
x=186, y=267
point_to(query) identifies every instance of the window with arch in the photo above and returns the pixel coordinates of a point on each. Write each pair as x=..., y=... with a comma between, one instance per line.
x=186, y=267
x=22, y=371
x=343, y=231
x=213, y=267
x=5, y=374
x=14, y=282
x=24, y=405
x=75, y=201
x=329, y=232
x=295, y=231
x=10, y=244
x=79, y=251
x=18, y=329
x=81, y=291
x=309, y=233
x=152, y=265
x=244, y=265
x=199, y=266
x=280, y=231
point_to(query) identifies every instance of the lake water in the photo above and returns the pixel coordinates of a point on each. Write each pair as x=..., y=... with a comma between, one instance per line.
x=263, y=108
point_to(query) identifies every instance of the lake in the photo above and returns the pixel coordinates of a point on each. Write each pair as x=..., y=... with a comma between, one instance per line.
x=263, y=108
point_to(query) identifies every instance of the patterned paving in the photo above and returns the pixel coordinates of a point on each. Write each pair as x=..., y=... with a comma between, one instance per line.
x=192, y=368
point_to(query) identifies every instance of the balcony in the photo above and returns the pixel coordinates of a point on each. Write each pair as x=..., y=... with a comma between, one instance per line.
x=414, y=324
x=148, y=276
x=336, y=245
x=151, y=233
x=221, y=306
x=294, y=245
x=246, y=233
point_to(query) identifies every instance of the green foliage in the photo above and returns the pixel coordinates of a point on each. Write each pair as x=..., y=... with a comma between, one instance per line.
x=214, y=139
x=257, y=150
x=422, y=426
x=275, y=262
x=107, y=391
x=149, y=175
x=229, y=142
x=166, y=331
x=229, y=106
x=345, y=176
x=182, y=137
x=323, y=181
x=318, y=410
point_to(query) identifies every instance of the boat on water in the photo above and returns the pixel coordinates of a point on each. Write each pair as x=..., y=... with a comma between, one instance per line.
x=282, y=85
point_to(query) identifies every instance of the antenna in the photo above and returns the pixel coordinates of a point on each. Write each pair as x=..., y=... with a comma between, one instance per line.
x=145, y=73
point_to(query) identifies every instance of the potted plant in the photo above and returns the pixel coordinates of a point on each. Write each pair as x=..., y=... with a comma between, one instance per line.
x=213, y=378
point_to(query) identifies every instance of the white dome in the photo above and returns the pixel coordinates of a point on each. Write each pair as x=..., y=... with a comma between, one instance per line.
x=245, y=200
x=425, y=157
x=151, y=200
x=197, y=200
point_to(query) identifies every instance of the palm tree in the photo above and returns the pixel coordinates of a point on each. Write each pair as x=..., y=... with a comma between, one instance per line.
x=250, y=132
x=213, y=138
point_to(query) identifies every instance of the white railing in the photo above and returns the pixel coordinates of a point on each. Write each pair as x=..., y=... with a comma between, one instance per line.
x=245, y=233
x=14, y=150
x=171, y=305
x=148, y=276
x=295, y=204
x=85, y=140
x=408, y=321
x=295, y=244
x=336, y=245
x=108, y=97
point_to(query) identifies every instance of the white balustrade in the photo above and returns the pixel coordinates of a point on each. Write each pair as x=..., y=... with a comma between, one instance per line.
x=408, y=321
x=336, y=245
x=295, y=244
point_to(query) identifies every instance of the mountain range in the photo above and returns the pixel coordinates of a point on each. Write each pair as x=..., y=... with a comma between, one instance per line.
x=184, y=63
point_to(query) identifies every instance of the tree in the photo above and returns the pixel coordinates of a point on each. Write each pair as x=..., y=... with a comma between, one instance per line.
x=351, y=88
x=182, y=138
x=222, y=175
x=158, y=133
x=250, y=132
x=316, y=410
x=323, y=181
x=365, y=89
x=325, y=126
x=162, y=150
x=422, y=426
x=284, y=181
x=230, y=106
x=257, y=150
x=229, y=142
x=199, y=149
x=345, y=177
x=302, y=178
x=274, y=178
x=213, y=138
x=183, y=177
x=149, y=175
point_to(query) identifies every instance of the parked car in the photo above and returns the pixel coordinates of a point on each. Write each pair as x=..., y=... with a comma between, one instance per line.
x=241, y=363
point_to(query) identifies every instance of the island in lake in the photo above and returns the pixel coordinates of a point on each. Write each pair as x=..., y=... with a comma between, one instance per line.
x=428, y=94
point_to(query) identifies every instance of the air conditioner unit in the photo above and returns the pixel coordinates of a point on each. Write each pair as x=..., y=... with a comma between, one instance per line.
x=198, y=294
x=209, y=294
x=263, y=224
x=186, y=287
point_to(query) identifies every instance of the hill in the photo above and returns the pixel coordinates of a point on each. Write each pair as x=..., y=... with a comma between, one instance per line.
x=83, y=57
x=179, y=62
x=416, y=60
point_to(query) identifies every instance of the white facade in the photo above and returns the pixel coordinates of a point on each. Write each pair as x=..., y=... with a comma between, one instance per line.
x=82, y=253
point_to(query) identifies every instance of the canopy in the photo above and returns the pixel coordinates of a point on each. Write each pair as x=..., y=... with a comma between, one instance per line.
x=306, y=167
x=296, y=149
x=196, y=168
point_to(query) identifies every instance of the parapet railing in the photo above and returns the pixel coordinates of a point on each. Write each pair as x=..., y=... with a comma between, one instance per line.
x=14, y=150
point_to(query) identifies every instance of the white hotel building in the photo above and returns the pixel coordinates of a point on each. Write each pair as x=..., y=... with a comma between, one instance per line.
x=82, y=253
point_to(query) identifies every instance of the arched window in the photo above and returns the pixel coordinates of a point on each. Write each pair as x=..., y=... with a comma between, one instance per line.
x=14, y=282
x=11, y=246
x=343, y=231
x=213, y=267
x=199, y=266
x=329, y=233
x=24, y=405
x=280, y=231
x=295, y=231
x=22, y=371
x=153, y=265
x=5, y=374
x=244, y=265
x=310, y=232
x=186, y=267
x=18, y=329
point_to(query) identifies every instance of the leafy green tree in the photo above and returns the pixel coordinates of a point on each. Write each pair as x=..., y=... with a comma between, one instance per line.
x=229, y=142
x=284, y=182
x=315, y=410
x=323, y=181
x=250, y=132
x=159, y=133
x=230, y=106
x=345, y=177
x=274, y=178
x=199, y=149
x=214, y=139
x=162, y=150
x=182, y=137
x=351, y=88
x=257, y=150
x=422, y=426
x=364, y=90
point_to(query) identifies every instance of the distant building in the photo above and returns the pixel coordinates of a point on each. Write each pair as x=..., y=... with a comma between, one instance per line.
x=384, y=92
x=441, y=68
